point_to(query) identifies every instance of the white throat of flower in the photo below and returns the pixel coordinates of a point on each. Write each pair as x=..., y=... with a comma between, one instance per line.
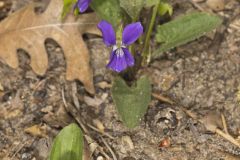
x=119, y=51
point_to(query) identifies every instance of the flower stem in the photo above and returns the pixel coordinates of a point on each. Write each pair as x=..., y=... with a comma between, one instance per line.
x=149, y=32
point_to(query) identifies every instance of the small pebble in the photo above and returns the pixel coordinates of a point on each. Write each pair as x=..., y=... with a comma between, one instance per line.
x=26, y=156
x=100, y=158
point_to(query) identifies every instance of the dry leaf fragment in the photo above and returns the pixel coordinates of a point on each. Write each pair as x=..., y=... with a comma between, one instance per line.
x=212, y=121
x=27, y=30
x=99, y=125
x=216, y=5
x=37, y=130
x=127, y=142
x=1, y=87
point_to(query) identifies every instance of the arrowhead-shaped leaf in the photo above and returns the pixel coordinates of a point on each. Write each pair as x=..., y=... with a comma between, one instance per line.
x=68, y=145
x=132, y=7
x=108, y=10
x=150, y=3
x=131, y=102
x=184, y=29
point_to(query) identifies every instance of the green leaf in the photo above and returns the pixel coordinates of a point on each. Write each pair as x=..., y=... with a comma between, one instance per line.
x=165, y=8
x=68, y=144
x=150, y=3
x=108, y=10
x=132, y=7
x=67, y=6
x=184, y=29
x=131, y=102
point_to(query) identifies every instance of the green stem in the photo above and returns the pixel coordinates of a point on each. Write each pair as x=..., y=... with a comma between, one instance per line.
x=149, y=32
x=132, y=47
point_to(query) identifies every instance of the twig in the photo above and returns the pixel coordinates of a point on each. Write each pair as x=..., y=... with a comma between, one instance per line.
x=193, y=115
x=74, y=95
x=94, y=146
x=224, y=124
x=39, y=84
x=197, y=6
x=73, y=112
x=20, y=148
x=227, y=137
x=162, y=98
x=109, y=148
x=190, y=113
x=103, y=133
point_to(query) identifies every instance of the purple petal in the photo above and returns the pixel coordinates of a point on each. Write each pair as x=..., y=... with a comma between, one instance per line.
x=108, y=33
x=128, y=56
x=132, y=32
x=117, y=62
x=83, y=5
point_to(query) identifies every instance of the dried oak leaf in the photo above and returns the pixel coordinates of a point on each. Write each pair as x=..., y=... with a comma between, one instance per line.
x=27, y=30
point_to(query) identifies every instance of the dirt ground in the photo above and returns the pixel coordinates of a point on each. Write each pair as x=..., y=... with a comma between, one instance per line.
x=202, y=77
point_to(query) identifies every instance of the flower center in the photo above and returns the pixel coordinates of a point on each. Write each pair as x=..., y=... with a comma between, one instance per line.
x=119, y=52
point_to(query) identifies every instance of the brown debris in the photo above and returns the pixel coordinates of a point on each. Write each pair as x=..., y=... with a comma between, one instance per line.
x=216, y=5
x=37, y=131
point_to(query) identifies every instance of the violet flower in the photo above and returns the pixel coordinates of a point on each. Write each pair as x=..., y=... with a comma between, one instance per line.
x=120, y=57
x=82, y=5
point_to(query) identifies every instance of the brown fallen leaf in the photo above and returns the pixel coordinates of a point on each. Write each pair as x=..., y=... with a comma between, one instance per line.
x=27, y=30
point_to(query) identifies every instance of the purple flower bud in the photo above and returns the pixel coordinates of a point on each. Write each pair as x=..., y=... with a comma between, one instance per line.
x=120, y=57
x=83, y=5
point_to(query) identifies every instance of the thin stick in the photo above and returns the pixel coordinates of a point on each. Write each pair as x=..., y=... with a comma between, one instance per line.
x=227, y=137
x=197, y=6
x=103, y=133
x=162, y=98
x=109, y=148
x=74, y=95
x=224, y=124
x=74, y=115
x=20, y=148
x=100, y=149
